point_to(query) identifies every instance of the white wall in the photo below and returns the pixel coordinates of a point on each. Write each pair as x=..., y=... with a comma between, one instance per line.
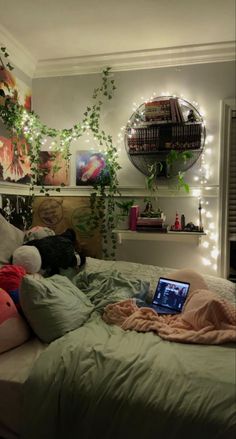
x=60, y=102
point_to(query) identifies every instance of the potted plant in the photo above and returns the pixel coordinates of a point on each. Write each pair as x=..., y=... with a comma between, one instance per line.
x=122, y=218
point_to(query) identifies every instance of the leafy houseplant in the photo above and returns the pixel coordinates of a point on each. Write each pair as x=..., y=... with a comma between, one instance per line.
x=122, y=217
x=26, y=125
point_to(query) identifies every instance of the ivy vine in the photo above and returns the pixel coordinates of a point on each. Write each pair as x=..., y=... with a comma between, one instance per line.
x=26, y=127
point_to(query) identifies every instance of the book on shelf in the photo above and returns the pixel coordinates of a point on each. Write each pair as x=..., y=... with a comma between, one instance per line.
x=163, y=229
x=144, y=139
x=173, y=110
x=164, y=111
x=147, y=221
x=186, y=136
x=179, y=114
x=158, y=111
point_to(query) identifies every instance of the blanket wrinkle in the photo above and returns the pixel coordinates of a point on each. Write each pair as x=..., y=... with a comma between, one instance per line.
x=206, y=319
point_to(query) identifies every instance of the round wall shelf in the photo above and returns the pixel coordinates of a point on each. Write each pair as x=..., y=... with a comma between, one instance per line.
x=168, y=132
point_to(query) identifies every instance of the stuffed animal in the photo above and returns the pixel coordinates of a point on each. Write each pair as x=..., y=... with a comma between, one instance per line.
x=13, y=329
x=57, y=252
x=38, y=232
x=27, y=257
x=10, y=279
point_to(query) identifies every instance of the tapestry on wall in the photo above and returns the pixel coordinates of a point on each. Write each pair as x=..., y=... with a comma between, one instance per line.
x=60, y=213
x=90, y=168
x=54, y=169
x=14, y=159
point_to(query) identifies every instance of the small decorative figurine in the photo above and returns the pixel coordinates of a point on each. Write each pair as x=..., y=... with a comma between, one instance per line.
x=177, y=225
x=200, y=216
x=191, y=116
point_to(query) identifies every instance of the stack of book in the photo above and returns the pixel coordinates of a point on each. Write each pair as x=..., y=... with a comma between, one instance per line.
x=164, y=111
x=158, y=111
x=147, y=224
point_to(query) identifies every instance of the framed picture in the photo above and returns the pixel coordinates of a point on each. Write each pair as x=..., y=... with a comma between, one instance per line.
x=14, y=159
x=91, y=167
x=55, y=170
x=17, y=209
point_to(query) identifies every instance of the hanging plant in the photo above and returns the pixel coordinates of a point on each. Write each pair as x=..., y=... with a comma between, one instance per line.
x=26, y=126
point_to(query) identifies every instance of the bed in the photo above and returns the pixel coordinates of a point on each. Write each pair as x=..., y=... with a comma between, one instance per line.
x=100, y=381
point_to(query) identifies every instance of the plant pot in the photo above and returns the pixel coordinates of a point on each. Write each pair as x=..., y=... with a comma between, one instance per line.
x=123, y=223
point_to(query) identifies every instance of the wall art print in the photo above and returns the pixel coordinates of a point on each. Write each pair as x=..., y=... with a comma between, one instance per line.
x=91, y=167
x=55, y=170
x=14, y=159
x=17, y=209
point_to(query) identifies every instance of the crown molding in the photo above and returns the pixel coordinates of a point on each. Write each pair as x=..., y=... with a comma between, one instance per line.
x=20, y=57
x=125, y=191
x=136, y=60
x=121, y=61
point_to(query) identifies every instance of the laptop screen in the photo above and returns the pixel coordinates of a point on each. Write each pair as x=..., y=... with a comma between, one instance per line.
x=171, y=293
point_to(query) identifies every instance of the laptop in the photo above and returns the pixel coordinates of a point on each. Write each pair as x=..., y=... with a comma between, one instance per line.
x=170, y=296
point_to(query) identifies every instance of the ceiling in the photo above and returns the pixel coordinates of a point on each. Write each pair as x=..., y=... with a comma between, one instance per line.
x=50, y=30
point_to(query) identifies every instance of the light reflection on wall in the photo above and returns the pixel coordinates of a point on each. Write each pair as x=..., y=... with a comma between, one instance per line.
x=209, y=242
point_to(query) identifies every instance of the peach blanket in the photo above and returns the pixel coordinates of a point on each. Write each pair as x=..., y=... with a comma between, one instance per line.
x=206, y=319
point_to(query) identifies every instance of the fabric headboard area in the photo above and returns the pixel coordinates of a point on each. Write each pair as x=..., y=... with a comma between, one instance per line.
x=60, y=213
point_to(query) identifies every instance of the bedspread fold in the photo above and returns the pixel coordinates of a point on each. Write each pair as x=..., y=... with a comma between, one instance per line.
x=206, y=319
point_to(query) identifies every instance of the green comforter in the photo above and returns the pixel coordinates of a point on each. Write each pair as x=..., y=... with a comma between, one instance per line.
x=102, y=382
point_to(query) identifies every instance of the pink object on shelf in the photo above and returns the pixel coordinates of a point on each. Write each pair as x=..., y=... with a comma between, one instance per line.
x=134, y=212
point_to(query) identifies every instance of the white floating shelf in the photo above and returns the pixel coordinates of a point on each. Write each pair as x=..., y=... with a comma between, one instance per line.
x=187, y=237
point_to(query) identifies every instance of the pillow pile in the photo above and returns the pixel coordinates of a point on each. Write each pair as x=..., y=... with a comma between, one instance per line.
x=38, y=232
x=196, y=281
x=10, y=279
x=13, y=329
x=53, y=306
x=27, y=257
x=13, y=238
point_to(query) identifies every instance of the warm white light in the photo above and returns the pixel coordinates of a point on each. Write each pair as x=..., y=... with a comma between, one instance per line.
x=196, y=192
x=209, y=138
x=213, y=237
x=196, y=178
x=208, y=214
x=215, y=267
x=206, y=261
x=215, y=253
x=205, y=244
x=211, y=226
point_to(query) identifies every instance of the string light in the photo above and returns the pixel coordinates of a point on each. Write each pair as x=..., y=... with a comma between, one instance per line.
x=201, y=177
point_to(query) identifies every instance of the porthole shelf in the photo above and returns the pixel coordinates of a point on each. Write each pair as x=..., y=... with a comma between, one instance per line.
x=186, y=237
x=161, y=126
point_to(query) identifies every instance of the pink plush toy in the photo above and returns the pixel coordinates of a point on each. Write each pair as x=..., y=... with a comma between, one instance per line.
x=10, y=279
x=13, y=329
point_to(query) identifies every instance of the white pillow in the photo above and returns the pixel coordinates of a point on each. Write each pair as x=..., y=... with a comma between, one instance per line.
x=11, y=238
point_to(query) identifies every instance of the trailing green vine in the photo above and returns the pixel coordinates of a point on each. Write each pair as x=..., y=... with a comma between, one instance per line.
x=26, y=126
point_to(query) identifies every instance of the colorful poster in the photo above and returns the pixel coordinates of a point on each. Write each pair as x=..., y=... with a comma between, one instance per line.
x=54, y=168
x=91, y=167
x=14, y=159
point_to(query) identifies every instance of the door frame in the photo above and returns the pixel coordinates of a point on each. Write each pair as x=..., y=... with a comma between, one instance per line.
x=226, y=108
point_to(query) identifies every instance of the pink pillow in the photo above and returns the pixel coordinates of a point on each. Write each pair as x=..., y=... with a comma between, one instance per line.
x=196, y=281
x=13, y=329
